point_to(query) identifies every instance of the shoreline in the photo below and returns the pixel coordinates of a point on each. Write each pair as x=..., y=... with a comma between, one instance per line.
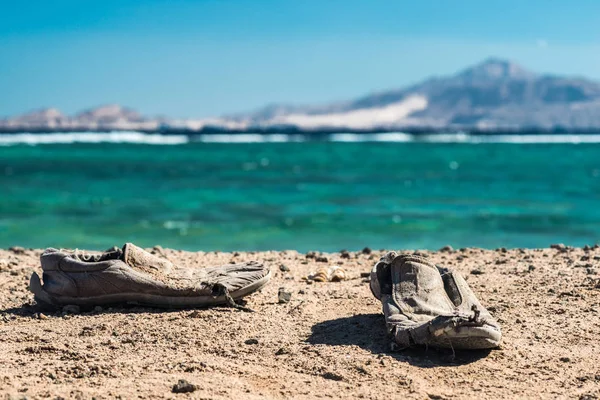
x=291, y=130
x=245, y=137
x=329, y=340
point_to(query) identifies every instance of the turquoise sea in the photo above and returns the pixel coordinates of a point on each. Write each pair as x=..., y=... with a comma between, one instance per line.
x=315, y=195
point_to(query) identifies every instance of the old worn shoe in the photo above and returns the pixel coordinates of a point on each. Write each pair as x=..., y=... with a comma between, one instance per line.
x=425, y=304
x=132, y=275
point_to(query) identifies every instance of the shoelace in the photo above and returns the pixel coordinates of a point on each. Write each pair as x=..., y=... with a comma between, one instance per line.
x=80, y=254
x=476, y=314
x=220, y=289
x=112, y=253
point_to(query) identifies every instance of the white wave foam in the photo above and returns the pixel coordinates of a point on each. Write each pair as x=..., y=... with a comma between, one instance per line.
x=445, y=138
x=250, y=138
x=525, y=139
x=399, y=137
x=463, y=138
x=90, y=137
x=370, y=137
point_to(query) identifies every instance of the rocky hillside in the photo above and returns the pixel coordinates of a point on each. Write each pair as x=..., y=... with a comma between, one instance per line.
x=495, y=94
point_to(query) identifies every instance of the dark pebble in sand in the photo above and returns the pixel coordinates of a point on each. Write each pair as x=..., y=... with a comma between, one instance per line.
x=17, y=250
x=284, y=296
x=282, y=351
x=332, y=376
x=565, y=359
x=284, y=268
x=71, y=309
x=184, y=386
x=531, y=268
x=477, y=272
x=311, y=254
x=447, y=249
x=345, y=254
x=251, y=341
x=321, y=259
x=366, y=250
x=559, y=246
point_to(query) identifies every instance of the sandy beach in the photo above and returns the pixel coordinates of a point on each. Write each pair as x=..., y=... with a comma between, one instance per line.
x=328, y=342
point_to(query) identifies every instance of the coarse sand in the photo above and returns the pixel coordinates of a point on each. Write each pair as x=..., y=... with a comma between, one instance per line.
x=328, y=341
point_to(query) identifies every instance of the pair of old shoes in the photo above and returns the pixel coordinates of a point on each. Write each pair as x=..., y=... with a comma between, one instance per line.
x=423, y=304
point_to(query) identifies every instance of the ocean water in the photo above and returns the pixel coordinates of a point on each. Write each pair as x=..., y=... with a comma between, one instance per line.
x=287, y=193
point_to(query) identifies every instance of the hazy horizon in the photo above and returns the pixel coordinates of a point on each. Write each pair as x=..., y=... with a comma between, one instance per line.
x=201, y=59
x=289, y=103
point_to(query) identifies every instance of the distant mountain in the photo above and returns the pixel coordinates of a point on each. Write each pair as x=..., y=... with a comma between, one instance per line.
x=107, y=117
x=494, y=95
x=109, y=114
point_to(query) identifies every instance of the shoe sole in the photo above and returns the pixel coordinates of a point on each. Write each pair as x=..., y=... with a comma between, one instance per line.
x=43, y=297
x=469, y=338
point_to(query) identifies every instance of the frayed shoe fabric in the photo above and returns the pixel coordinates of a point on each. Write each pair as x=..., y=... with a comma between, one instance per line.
x=132, y=275
x=425, y=304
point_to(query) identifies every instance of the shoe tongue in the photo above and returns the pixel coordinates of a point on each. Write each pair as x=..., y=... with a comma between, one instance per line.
x=417, y=282
x=140, y=259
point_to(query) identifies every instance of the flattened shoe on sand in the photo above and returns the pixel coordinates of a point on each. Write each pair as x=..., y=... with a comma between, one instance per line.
x=132, y=275
x=425, y=304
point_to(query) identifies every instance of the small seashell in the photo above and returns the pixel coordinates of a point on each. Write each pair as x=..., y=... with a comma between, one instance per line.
x=321, y=275
x=337, y=274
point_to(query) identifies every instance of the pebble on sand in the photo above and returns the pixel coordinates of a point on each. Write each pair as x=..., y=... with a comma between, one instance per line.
x=558, y=246
x=17, y=250
x=282, y=351
x=71, y=309
x=184, y=386
x=332, y=376
x=284, y=295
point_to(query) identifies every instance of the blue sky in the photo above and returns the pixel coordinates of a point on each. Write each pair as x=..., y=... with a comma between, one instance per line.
x=203, y=58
